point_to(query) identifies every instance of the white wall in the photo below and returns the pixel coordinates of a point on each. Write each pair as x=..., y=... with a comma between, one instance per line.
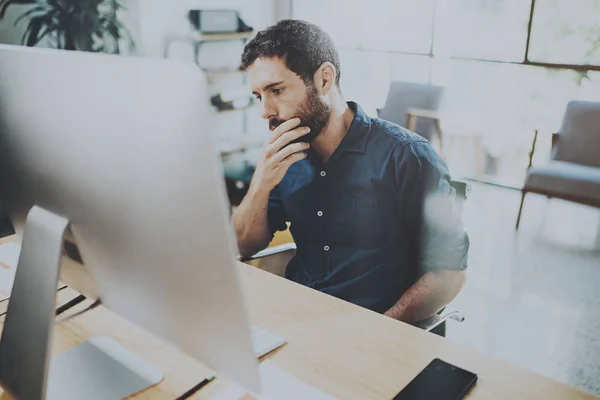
x=159, y=18
x=130, y=17
x=150, y=21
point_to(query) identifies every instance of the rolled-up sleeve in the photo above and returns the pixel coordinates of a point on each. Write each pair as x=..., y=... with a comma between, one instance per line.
x=431, y=207
x=276, y=215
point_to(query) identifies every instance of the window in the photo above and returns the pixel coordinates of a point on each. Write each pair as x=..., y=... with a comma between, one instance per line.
x=340, y=18
x=398, y=25
x=507, y=71
x=566, y=32
x=482, y=29
x=365, y=78
x=410, y=68
x=392, y=25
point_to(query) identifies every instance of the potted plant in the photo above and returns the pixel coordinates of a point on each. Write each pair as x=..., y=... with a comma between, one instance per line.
x=85, y=25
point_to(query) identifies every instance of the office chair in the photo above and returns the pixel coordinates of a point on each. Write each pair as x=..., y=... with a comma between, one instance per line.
x=414, y=106
x=573, y=173
x=275, y=259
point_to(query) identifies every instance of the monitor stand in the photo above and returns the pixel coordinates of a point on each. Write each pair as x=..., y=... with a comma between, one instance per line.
x=97, y=369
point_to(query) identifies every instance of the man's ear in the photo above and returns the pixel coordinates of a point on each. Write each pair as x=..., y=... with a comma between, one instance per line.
x=325, y=78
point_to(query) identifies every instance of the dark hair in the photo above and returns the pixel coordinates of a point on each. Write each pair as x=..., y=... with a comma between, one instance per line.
x=304, y=47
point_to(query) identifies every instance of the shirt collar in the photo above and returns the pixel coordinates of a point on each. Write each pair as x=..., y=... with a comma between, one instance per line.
x=355, y=140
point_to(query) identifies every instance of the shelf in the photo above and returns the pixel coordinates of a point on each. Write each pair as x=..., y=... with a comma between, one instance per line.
x=224, y=71
x=197, y=39
x=209, y=37
x=233, y=110
x=214, y=75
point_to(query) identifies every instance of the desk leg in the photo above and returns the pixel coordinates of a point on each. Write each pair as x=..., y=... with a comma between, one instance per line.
x=197, y=46
x=597, y=243
x=479, y=154
x=411, y=122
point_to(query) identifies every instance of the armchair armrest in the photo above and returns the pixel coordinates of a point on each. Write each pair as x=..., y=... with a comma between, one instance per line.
x=412, y=114
x=555, y=137
x=430, y=323
x=270, y=251
x=462, y=188
x=532, y=152
x=422, y=113
x=273, y=259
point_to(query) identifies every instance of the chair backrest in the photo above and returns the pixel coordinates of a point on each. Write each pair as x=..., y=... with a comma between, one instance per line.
x=579, y=135
x=405, y=95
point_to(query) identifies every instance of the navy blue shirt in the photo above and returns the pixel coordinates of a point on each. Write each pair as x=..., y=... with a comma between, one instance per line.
x=372, y=219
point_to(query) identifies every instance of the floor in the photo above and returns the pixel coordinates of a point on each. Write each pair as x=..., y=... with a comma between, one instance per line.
x=533, y=297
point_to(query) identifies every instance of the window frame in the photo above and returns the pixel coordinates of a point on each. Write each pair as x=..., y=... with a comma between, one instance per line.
x=526, y=60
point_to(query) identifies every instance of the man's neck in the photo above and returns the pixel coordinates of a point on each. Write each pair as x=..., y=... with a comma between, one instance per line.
x=339, y=122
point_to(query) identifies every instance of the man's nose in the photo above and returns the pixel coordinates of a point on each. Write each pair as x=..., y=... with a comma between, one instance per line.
x=268, y=111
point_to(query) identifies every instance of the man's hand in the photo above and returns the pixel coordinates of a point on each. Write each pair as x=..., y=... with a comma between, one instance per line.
x=277, y=158
x=432, y=292
x=250, y=218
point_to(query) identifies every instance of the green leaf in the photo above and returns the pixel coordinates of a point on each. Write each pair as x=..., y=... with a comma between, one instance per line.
x=28, y=13
x=36, y=25
x=112, y=29
x=49, y=28
x=69, y=41
x=74, y=24
x=25, y=34
x=4, y=4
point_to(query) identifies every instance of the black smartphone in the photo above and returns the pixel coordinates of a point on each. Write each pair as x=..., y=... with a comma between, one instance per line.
x=439, y=380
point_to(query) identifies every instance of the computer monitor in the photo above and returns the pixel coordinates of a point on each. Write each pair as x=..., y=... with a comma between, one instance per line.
x=118, y=152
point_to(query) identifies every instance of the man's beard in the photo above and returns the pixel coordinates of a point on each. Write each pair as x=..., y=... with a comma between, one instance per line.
x=313, y=113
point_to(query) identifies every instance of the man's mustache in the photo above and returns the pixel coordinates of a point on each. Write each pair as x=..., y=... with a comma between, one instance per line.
x=274, y=123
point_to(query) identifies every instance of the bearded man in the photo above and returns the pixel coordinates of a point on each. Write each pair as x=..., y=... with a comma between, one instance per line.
x=359, y=193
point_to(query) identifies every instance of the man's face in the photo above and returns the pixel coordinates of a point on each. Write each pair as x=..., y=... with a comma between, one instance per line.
x=284, y=96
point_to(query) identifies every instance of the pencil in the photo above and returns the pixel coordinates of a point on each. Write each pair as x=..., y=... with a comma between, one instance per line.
x=193, y=390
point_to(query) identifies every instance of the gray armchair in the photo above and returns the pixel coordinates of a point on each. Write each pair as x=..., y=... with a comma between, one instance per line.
x=275, y=259
x=414, y=106
x=573, y=173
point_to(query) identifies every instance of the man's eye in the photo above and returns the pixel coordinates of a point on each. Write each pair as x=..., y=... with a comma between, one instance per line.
x=277, y=91
x=258, y=98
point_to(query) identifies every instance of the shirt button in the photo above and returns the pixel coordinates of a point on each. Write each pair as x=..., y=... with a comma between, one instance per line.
x=326, y=248
x=320, y=213
x=323, y=173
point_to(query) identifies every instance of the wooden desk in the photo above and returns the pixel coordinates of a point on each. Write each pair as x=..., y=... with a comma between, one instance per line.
x=342, y=349
x=64, y=295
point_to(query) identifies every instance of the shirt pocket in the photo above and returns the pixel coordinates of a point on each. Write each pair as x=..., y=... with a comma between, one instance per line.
x=359, y=221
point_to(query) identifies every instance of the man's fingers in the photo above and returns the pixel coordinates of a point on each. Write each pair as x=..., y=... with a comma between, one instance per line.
x=289, y=150
x=288, y=137
x=283, y=128
x=285, y=139
x=286, y=163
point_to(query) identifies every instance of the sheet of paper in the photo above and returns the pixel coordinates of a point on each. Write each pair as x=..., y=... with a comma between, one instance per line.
x=9, y=258
x=7, y=278
x=276, y=385
x=9, y=254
